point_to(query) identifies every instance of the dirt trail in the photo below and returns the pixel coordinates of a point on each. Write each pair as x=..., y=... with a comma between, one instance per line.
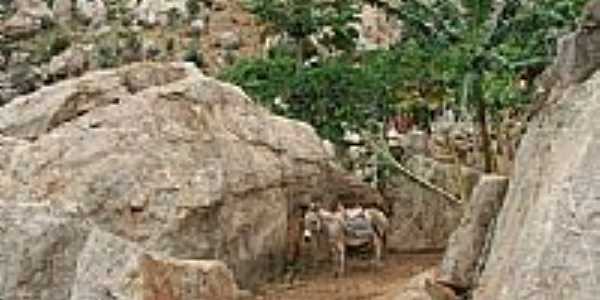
x=362, y=282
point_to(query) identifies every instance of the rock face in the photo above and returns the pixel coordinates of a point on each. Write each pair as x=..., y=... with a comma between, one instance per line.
x=91, y=11
x=546, y=243
x=155, y=12
x=59, y=258
x=74, y=61
x=159, y=155
x=424, y=219
x=27, y=20
x=467, y=242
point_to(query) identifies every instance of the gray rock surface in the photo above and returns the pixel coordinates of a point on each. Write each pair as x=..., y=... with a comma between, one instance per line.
x=48, y=255
x=27, y=19
x=38, y=249
x=155, y=12
x=91, y=11
x=160, y=155
x=63, y=10
x=459, y=267
x=424, y=219
x=546, y=242
x=74, y=61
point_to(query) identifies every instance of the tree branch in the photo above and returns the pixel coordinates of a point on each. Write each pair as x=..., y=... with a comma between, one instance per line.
x=384, y=150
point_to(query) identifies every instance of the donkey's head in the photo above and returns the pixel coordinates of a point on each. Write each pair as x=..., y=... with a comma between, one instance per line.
x=312, y=223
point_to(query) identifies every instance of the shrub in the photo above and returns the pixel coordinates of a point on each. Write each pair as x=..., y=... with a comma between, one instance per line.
x=58, y=43
x=193, y=54
x=106, y=55
x=193, y=7
x=170, y=46
x=334, y=96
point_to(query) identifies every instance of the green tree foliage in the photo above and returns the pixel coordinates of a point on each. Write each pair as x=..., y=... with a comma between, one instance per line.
x=59, y=42
x=299, y=19
x=475, y=50
x=466, y=53
x=193, y=54
x=334, y=96
x=193, y=7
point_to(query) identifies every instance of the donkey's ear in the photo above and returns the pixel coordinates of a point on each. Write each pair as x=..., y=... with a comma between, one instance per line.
x=314, y=206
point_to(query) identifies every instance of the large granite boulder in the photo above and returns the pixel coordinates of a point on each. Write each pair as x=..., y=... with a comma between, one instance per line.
x=47, y=255
x=424, y=219
x=467, y=243
x=162, y=156
x=546, y=243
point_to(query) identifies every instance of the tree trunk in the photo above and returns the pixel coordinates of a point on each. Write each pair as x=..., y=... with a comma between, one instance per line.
x=483, y=126
x=299, y=55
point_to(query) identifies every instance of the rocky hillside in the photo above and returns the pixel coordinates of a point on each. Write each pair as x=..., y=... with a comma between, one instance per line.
x=44, y=41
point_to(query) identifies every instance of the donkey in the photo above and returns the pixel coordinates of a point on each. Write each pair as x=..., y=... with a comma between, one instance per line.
x=344, y=228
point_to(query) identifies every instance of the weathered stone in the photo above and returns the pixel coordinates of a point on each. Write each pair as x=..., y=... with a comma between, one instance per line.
x=91, y=11
x=38, y=251
x=161, y=155
x=63, y=10
x=545, y=243
x=150, y=49
x=197, y=26
x=467, y=242
x=21, y=79
x=155, y=12
x=424, y=219
x=27, y=20
x=415, y=289
x=47, y=255
x=579, y=56
x=108, y=267
x=187, y=279
x=229, y=40
x=411, y=143
x=72, y=62
x=7, y=90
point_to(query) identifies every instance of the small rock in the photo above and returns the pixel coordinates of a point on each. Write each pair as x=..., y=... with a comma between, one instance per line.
x=150, y=13
x=62, y=10
x=92, y=11
x=19, y=57
x=102, y=30
x=151, y=50
x=229, y=40
x=72, y=62
x=438, y=291
x=197, y=26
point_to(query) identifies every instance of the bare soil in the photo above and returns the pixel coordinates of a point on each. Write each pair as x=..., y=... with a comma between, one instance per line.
x=362, y=281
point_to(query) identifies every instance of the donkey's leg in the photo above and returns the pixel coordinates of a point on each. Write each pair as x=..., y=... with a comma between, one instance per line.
x=336, y=259
x=342, y=250
x=377, y=247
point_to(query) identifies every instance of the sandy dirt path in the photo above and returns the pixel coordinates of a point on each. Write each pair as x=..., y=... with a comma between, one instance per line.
x=362, y=281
